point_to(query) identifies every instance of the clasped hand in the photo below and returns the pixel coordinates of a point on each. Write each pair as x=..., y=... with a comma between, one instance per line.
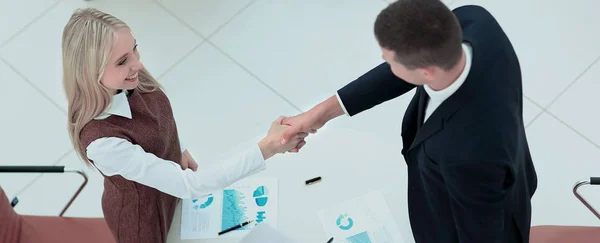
x=287, y=134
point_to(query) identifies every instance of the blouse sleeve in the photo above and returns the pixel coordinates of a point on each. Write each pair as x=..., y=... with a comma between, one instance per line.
x=117, y=156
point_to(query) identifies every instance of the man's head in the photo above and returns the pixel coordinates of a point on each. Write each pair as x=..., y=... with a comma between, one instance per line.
x=420, y=39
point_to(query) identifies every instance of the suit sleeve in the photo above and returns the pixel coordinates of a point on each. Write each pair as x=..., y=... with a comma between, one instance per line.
x=371, y=89
x=477, y=192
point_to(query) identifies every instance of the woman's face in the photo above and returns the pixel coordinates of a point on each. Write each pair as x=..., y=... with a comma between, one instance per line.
x=121, y=72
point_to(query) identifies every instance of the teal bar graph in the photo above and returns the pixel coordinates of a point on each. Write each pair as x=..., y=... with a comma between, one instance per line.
x=234, y=209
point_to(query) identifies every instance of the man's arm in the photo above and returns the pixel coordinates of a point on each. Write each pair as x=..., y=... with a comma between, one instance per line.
x=477, y=191
x=372, y=88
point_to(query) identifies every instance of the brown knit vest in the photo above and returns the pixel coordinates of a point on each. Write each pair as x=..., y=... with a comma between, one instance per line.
x=134, y=212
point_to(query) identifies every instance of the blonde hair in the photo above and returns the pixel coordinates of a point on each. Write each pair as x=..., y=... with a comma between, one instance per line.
x=87, y=42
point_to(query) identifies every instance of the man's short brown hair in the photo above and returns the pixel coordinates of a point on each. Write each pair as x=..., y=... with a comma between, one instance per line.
x=421, y=33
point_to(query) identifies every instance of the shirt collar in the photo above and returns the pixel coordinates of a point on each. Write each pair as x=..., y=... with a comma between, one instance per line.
x=119, y=106
x=441, y=95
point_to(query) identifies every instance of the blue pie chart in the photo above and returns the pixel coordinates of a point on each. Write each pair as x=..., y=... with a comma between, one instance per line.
x=344, y=222
x=205, y=204
x=261, y=195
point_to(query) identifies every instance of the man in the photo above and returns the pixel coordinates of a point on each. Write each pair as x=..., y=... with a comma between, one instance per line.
x=470, y=173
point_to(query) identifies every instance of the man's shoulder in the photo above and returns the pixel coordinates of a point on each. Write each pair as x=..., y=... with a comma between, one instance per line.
x=472, y=12
x=475, y=19
x=485, y=34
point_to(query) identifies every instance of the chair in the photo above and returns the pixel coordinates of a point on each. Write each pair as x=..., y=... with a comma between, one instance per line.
x=569, y=234
x=15, y=228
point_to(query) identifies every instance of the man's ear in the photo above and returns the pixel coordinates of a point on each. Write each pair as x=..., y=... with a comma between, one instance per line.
x=428, y=73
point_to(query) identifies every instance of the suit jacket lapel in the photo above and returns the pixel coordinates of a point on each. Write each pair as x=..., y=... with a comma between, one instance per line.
x=423, y=99
x=450, y=106
x=428, y=128
x=436, y=120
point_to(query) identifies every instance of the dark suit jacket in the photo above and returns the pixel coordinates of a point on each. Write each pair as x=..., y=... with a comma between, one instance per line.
x=470, y=173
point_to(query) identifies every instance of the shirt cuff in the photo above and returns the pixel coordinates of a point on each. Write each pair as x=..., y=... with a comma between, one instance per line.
x=341, y=103
x=259, y=160
x=248, y=163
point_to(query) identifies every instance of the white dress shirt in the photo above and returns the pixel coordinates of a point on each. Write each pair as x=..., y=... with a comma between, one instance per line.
x=117, y=156
x=437, y=97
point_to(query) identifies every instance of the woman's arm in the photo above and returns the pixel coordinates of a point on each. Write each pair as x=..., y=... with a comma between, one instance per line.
x=117, y=156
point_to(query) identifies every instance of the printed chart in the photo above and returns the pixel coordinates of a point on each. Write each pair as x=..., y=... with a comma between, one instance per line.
x=250, y=199
x=366, y=219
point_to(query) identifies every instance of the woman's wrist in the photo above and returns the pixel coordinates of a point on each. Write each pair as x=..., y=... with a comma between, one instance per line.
x=266, y=148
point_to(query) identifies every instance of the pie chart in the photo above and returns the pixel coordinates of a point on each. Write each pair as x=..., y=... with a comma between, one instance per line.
x=261, y=196
x=344, y=222
x=203, y=205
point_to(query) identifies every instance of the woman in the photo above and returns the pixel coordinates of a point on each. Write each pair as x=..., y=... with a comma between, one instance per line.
x=121, y=122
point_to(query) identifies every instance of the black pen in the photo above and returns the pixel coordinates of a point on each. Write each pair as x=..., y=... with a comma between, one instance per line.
x=330, y=240
x=236, y=227
x=313, y=180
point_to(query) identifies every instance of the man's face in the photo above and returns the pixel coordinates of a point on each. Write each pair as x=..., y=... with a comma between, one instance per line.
x=416, y=77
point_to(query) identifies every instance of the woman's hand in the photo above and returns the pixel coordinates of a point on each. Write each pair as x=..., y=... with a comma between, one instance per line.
x=187, y=161
x=271, y=144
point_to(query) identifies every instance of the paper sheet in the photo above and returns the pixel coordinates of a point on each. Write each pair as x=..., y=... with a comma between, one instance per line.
x=366, y=219
x=264, y=233
x=249, y=199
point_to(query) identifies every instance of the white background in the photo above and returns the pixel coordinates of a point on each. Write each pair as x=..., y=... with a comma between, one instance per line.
x=233, y=66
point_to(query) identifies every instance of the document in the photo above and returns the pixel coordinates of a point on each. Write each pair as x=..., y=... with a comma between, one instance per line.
x=249, y=199
x=264, y=233
x=365, y=219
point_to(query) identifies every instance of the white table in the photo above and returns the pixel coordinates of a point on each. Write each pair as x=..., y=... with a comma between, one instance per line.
x=350, y=164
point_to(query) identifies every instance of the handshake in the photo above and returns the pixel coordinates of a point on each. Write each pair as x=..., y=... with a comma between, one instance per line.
x=287, y=134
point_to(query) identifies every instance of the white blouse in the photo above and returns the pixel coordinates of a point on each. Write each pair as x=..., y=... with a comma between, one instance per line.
x=117, y=156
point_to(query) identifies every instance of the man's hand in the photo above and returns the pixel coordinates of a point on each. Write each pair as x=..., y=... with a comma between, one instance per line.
x=187, y=161
x=299, y=124
x=271, y=144
x=310, y=121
